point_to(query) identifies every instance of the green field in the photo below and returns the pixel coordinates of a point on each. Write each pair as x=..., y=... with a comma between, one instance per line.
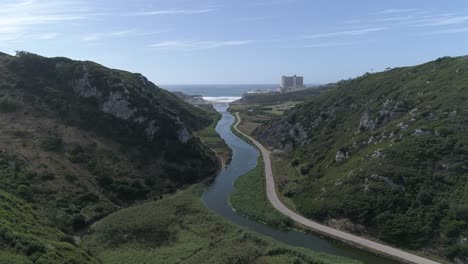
x=180, y=229
x=250, y=199
x=279, y=109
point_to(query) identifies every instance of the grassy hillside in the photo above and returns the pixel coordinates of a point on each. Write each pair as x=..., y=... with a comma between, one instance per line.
x=25, y=234
x=180, y=229
x=384, y=154
x=80, y=140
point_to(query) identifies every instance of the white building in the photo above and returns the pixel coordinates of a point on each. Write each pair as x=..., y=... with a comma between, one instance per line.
x=292, y=83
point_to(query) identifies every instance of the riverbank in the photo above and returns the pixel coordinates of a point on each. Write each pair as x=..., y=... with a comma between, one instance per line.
x=350, y=239
x=212, y=139
x=249, y=199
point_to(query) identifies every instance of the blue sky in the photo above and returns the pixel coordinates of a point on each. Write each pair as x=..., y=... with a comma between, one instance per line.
x=238, y=41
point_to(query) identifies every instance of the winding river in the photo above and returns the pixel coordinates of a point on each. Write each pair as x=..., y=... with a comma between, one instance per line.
x=244, y=159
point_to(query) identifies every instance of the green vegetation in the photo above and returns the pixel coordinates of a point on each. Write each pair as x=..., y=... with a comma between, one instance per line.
x=211, y=138
x=280, y=98
x=180, y=229
x=7, y=106
x=25, y=234
x=250, y=199
x=52, y=144
x=279, y=109
x=387, y=151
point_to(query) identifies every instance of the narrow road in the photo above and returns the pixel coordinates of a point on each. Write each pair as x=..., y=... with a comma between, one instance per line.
x=356, y=241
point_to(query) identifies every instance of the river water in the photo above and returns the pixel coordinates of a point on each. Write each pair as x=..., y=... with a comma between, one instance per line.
x=244, y=159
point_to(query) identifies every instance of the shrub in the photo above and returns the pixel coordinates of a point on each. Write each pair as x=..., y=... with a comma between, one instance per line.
x=70, y=177
x=78, y=222
x=7, y=106
x=47, y=176
x=105, y=181
x=85, y=199
x=295, y=162
x=68, y=239
x=25, y=192
x=305, y=169
x=53, y=144
x=21, y=134
x=128, y=192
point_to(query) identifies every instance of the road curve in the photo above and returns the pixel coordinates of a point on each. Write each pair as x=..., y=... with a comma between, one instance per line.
x=356, y=241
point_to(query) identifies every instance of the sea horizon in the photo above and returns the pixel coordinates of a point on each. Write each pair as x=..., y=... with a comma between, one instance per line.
x=219, y=90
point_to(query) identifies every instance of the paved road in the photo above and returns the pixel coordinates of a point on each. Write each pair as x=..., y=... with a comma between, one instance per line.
x=353, y=240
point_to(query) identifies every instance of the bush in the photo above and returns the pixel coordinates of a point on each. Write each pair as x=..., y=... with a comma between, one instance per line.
x=7, y=106
x=53, y=144
x=78, y=222
x=305, y=169
x=85, y=199
x=68, y=239
x=295, y=162
x=70, y=178
x=130, y=191
x=25, y=193
x=105, y=181
x=47, y=176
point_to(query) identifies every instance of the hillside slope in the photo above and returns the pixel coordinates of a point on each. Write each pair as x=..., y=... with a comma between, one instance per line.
x=385, y=155
x=80, y=140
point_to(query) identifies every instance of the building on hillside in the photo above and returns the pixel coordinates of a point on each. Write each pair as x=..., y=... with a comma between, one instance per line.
x=292, y=83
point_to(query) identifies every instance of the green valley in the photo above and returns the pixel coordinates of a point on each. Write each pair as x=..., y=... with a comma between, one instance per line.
x=101, y=166
x=233, y=132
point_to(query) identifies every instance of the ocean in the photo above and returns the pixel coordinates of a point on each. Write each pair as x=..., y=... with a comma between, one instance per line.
x=224, y=93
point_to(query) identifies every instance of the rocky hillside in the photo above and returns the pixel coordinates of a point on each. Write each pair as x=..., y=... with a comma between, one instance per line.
x=386, y=155
x=80, y=140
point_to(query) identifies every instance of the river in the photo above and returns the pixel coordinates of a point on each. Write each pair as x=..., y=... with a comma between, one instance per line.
x=244, y=159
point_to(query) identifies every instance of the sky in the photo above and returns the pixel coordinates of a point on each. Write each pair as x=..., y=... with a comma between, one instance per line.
x=238, y=41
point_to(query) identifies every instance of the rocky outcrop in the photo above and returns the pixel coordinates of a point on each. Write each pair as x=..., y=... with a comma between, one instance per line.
x=83, y=87
x=420, y=132
x=378, y=154
x=184, y=135
x=366, y=123
x=151, y=130
x=118, y=106
x=298, y=134
x=388, y=182
x=389, y=112
x=341, y=155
